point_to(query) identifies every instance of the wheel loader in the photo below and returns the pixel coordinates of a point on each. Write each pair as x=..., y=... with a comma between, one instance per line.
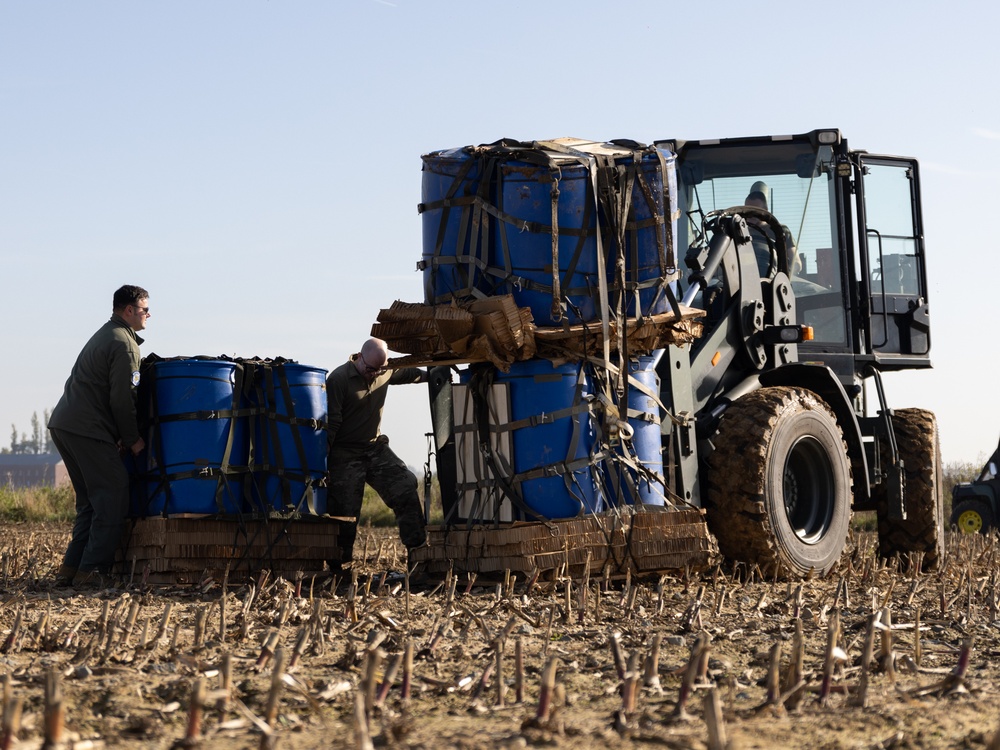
x=808, y=259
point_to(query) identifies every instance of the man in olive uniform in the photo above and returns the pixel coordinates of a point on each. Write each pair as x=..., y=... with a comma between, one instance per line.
x=360, y=454
x=93, y=423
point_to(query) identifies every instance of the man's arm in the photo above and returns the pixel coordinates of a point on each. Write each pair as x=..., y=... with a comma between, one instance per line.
x=408, y=375
x=124, y=362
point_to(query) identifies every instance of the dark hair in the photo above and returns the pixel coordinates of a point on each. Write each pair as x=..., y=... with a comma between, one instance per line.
x=128, y=295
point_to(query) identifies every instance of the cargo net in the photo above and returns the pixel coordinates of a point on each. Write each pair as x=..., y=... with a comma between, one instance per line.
x=603, y=210
x=596, y=460
x=265, y=449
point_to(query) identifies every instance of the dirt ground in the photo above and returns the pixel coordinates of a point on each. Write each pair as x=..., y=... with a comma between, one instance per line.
x=122, y=673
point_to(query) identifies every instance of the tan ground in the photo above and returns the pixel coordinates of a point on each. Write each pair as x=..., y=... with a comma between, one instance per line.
x=121, y=695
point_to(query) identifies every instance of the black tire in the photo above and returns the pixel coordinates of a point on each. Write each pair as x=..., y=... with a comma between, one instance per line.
x=923, y=530
x=973, y=516
x=779, y=483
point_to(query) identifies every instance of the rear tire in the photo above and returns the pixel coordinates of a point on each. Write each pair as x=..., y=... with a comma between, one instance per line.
x=779, y=483
x=973, y=516
x=923, y=530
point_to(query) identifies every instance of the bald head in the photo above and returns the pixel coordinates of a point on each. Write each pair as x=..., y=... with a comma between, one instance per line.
x=372, y=358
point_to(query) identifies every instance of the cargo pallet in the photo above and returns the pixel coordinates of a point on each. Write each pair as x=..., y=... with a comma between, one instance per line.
x=623, y=541
x=188, y=548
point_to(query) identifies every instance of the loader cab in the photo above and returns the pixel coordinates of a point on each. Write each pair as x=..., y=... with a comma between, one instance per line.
x=857, y=269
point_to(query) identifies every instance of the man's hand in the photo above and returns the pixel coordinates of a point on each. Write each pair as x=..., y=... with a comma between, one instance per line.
x=138, y=447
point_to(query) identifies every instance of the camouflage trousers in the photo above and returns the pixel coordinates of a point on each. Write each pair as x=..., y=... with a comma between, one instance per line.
x=390, y=478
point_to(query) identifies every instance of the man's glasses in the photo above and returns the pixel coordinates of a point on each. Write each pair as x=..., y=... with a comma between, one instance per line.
x=143, y=310
x=371, y=370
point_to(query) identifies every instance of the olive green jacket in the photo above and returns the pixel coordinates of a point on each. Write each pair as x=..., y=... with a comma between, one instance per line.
x=99, y=398
x=354, y=407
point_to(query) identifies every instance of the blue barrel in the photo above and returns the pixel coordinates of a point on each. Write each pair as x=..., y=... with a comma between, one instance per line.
x=625, y=484
x=550, y=395
x=487, y=217
x=650, y=251
x=524, y=258
x=186, y=469
x=455, y=231
x=292, y=440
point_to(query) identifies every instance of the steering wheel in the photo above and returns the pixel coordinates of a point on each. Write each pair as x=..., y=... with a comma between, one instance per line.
x=775, y=243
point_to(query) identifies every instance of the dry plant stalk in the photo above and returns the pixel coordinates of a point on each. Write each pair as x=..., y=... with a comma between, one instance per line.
x=651, y=673
x=407, y=671
x=373, y=663
x=887, y=655
x=699, y=649
x=193, y=732
x=714, y=721
x=389, y=678
x=362, y=735
x=773, y=694
x=630, y=685
x=794, y=681
x=618, y=654
x=867, y=658
x=518, y=671
x=545, y=694
x=55, y=712
x=830, y=660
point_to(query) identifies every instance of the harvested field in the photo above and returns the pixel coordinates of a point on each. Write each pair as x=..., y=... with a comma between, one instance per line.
x=868, y=657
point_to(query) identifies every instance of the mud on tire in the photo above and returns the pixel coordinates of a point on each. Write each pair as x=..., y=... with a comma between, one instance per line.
x=923, y=530
x=779, y=483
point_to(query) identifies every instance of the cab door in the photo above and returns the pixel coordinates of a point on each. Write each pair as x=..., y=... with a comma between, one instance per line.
x=892, y=250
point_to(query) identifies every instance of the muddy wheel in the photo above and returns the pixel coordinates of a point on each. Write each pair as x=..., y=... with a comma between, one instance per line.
x=972, y=517
x=779, y=483
x=923, y=530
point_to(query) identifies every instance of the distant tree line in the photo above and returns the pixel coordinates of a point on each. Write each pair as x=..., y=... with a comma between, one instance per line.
x=40, y=441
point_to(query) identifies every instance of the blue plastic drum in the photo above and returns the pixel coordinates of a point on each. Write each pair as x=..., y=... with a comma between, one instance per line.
x=187, y=470
x=526, y=196
x=455, y=236
x=650, y=252
x=292, y=438
x=625, y=484
x=556, y=397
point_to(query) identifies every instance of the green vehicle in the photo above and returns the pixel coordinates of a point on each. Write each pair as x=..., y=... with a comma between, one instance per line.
x=974, y=504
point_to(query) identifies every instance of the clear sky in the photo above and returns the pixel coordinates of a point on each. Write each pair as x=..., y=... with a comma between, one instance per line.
x=256, y=165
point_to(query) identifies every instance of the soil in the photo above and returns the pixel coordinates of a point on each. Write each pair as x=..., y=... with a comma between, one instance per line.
x=125, y=674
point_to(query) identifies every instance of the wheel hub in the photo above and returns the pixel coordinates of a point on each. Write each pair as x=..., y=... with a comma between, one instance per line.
x=970, y=522
x=808, y=490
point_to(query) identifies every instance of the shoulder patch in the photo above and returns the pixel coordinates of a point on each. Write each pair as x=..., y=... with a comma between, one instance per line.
x=135, y=378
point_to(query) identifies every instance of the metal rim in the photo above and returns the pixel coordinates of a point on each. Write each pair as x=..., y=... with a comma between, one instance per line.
x=970, y=521
x=808, y=490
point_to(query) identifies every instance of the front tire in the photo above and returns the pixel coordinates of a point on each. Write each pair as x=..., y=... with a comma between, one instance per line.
x=779, y=483
x=973, y=516
x=923, y=530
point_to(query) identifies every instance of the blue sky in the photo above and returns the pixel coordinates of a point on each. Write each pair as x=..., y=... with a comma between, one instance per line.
x=256, y=165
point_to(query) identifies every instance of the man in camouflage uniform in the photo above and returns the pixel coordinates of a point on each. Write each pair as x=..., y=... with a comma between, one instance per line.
x=360, y=454
x=94, y=421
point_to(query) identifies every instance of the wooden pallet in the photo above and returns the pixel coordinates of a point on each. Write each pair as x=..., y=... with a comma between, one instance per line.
x=624, y=540
x=189, y=548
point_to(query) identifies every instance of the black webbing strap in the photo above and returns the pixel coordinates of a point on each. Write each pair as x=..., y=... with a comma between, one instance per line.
x=275, y=380
x=156, y=448
x=222, y=486
x=480, y=385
